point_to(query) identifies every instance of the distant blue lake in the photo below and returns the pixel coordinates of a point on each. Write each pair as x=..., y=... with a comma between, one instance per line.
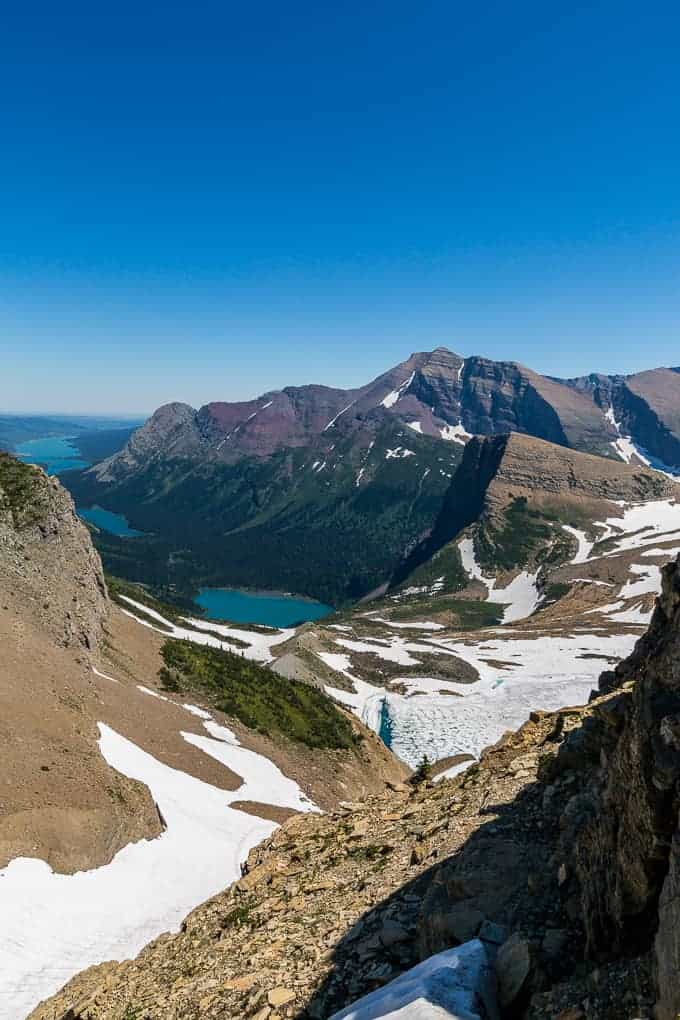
x=268, y=608
x=56, y=454
x=115, y=524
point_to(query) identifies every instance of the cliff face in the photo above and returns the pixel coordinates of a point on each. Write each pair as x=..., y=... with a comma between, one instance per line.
x=48, y=563
x=623, y=843
x=564, y=486
x=60, y=800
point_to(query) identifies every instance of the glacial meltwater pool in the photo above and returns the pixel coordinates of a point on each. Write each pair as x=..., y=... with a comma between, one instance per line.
x=272, y=609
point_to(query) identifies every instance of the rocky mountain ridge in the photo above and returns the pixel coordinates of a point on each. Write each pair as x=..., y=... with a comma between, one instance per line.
x=518, y=493
x=445, y=395
x=557, y=851
x=324, y=491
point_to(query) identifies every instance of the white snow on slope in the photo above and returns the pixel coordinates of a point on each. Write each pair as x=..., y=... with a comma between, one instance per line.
x=642, y=524
x=544, y=673
x=332, y=422
x=455, y=433
x=629, y=450
x=365, y=700
x=641, y=617
x=585, y=546
x=397, y=452
x=520, y=596
x=259, y=648
x=416, y=426
x=415, y=625
x=540, y=673
x=396, y=651
x=391, y=398
x=457, y=984
x=649, y=583
x=55, y=925
x=104, y=676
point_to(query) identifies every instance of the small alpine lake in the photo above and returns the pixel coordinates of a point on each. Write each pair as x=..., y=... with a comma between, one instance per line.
x=54, y=453
x=109, y=521
x=269, y=608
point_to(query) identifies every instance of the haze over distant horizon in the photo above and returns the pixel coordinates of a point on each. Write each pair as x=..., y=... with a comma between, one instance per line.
x=211, y=204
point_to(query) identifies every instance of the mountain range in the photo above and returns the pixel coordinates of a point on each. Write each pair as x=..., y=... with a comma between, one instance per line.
x=328, y=491
x=147, y=751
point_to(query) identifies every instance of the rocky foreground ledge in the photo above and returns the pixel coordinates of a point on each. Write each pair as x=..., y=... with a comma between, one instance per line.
x=558, y=851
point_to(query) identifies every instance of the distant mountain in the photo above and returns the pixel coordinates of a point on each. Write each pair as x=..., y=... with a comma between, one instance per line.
x=15, y=429
x=326, y=490
x=644, y=409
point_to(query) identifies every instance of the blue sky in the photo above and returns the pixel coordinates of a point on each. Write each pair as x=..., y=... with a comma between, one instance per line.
x=207, y=201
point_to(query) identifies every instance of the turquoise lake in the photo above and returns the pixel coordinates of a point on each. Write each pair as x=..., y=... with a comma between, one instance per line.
x=107, y=520
x=269, y=608
x=56, y=454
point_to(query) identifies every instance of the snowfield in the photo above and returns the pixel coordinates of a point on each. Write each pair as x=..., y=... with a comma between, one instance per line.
x=259, y=644
x=56, y=925
x=519, y=672
x=520, y=596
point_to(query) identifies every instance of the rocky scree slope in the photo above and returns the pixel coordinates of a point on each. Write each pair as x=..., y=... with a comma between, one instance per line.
x=60, y=800
x=558, y=850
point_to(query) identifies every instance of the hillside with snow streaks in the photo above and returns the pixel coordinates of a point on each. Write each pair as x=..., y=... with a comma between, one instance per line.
x=540, y=657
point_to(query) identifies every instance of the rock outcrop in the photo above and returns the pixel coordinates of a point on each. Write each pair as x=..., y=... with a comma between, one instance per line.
x=547, y=485
x=60, y=800
x=622, y=838
x=47, y=560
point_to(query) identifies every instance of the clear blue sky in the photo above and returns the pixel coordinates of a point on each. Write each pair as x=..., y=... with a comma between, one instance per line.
x=208, y=200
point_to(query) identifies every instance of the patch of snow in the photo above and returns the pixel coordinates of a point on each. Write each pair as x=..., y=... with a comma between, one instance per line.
x=542, y=673
x=455, y=433
x=332, y=422
x=649, y=583
x=628, y=450
x=151, y=693
x=668, y=554
x=259, y=645
x=458, y=984
x=416, y=426
x=520, y=596
x=639, y=616
x=453, y=771
x=399, y=451
x=416, y=625
x=585, y=546
x=359, y=477
x=591, y=580
x=199, y=712
x=397, y=651
x=660, y=519
x=104, y=676
x=263, y=780
x=149, y=886
x=391, y=398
